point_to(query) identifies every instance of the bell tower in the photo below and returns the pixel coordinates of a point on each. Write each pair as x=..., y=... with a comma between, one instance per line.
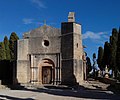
x=72, y=51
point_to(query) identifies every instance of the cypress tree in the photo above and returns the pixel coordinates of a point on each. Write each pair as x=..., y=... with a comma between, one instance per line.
x=113, y=48
x=94, y=55
x=94, y=59
x=88, y=64
x=12, y=40
x=2, y=51
x=106, y=55
x=100, y=57
x=7, y=49
x=118, y=53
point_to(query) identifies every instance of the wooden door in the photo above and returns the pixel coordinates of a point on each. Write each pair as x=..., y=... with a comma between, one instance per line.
x=46, y=75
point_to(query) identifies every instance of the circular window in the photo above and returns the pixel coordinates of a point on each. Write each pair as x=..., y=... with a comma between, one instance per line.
x=45, y=43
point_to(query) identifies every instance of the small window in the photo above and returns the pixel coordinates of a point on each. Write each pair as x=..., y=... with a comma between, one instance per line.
x=70, y=18
x=45, y=43
x=77, y=45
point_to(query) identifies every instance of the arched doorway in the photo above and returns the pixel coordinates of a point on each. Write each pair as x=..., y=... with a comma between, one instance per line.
x=47, y=71
x=46, y=75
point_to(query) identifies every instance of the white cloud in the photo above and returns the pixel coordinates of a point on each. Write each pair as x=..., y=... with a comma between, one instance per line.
x=39, y=3
x=99, y=37
x=27, y=21
x=91, y=35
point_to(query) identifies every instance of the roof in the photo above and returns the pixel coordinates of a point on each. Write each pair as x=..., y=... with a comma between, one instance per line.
x=44, y=30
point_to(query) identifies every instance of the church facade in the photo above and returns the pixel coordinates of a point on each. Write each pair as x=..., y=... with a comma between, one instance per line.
x=47, y=55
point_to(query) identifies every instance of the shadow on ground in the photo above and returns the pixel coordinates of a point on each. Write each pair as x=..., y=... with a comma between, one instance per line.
x=4, y=97
x=74, y=91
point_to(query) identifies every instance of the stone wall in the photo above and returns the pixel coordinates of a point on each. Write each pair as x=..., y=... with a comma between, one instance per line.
x=36, y=46
x=78, y=52
x=71, y=48
x=23, y=72
x=31, y=51
x=22, y=49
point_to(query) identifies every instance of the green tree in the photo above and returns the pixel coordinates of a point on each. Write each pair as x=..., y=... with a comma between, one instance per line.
x=113, y=48
x=2, y=51
x=118, y=53
x=88, y=64
x=106, y=55
x=94, y=55
x=100, y=58
x=12, y=40
x=7, y=49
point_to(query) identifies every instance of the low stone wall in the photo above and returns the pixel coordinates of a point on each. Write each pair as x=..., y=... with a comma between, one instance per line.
x=108, y=80
x=113, y=82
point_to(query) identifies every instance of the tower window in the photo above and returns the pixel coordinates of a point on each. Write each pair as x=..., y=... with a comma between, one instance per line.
x=77, y=45
x=70, y=17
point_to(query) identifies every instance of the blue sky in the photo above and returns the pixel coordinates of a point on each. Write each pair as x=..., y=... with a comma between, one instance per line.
x=97, y=17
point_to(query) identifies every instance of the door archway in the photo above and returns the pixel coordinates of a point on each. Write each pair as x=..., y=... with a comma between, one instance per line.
x=47, y=71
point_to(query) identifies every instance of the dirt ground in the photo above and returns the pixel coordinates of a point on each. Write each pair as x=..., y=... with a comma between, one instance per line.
x=89, y=90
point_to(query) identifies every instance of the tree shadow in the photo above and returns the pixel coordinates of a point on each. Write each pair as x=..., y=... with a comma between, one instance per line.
x=114, y=88
x=4, y=97
x=74, y=91
x=81, y=92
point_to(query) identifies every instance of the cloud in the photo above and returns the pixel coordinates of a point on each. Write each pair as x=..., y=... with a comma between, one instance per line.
x=34, y=21
x=99, y=37
x=39, y=3
x=28, y=21
x=91, y=35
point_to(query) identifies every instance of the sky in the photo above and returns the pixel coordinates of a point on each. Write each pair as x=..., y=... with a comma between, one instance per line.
x=97, y=17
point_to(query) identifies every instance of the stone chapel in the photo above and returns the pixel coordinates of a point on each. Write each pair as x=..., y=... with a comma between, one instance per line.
x=47, y=55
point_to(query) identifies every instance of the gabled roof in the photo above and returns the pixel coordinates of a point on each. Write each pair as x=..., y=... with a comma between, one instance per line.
x=42, y=31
